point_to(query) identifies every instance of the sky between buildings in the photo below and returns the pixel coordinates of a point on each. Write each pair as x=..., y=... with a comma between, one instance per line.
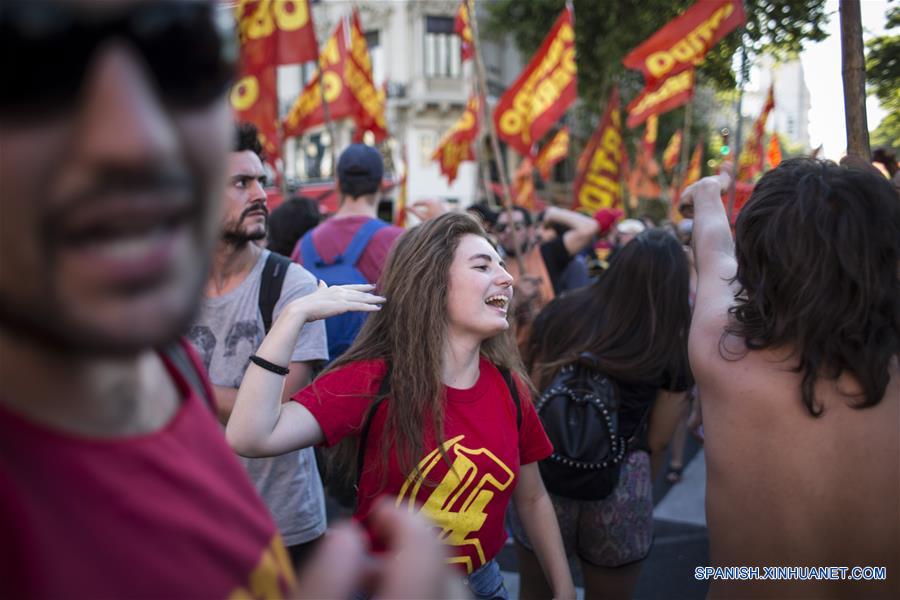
x=822, y=69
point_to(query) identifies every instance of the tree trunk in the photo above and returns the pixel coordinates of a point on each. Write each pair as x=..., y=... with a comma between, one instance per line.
x=854, y=75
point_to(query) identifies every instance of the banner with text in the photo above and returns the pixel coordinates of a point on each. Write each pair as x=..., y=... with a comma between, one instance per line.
x=682, y=43
x=598, y=181
x=672, y=93
x=542, y=93
x=553, y=151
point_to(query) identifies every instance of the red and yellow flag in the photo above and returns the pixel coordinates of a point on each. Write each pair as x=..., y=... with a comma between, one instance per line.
x=651, y=130
x=307, y=110
x=773, y=153
x=691, y=175
x=543, y=92
x=456, y=145
x=597, y=183
x=271, y=34
x=644, y=174
x=254, y=99
x=464, y=30
x=672, y=151
x=553, y=151
x=751, y=159
x=275, y=32
x=682, y=43
x=358, y=77
x=671, y=93
x=523, y=185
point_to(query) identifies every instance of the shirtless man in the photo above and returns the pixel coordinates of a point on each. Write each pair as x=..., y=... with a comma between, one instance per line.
x=794, y=345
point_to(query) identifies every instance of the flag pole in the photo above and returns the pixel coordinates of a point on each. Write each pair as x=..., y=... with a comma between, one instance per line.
x=495, y=144
x=735, y=163
x=483, y=164
x=685, y=144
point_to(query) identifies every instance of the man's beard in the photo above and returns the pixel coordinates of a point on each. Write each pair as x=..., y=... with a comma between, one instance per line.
x=237, y=237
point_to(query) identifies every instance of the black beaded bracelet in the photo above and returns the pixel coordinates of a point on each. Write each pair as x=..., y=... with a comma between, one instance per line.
x=268, y=366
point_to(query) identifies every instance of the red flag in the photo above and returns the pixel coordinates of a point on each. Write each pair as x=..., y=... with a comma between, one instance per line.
x=751, y=159
x=358, y=77
x=275, y=32
x=671, y=93
x=597, y=183
x=651, y=129
x=553, y=151
x=254, y=99
x=456, y=145
x=643, y=176
x=691, y=175
x=543, y=91
x=773, y=153
x=672, y=151
x=523, y=185
x=682, y=43
x=464, y=30
x=307, y=110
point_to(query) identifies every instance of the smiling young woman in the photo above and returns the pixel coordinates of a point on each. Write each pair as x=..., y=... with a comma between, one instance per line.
x=449, y=440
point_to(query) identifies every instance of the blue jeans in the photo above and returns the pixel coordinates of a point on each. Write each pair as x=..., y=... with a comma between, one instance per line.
x=487, y=583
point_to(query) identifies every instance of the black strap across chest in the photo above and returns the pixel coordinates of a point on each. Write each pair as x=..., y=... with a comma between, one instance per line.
x=382, y=394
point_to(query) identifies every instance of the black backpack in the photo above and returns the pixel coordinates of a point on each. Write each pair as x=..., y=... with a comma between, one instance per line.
x=580, y=413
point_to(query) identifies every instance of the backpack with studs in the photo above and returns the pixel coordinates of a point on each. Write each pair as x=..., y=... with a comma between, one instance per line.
x=580, y=413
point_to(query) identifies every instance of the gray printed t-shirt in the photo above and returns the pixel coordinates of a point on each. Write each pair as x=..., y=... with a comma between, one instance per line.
x=228, y=330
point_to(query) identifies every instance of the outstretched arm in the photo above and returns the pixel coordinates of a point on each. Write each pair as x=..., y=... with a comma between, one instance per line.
x=260, y=425
x=714, y=260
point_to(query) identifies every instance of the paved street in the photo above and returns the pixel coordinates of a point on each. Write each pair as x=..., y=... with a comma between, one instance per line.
x=679, y=544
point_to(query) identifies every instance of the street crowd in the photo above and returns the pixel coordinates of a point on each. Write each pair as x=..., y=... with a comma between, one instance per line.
x=182, y=369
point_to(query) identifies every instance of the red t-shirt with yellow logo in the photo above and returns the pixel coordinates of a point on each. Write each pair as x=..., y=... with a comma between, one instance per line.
x=170, y=514
x=466, y=502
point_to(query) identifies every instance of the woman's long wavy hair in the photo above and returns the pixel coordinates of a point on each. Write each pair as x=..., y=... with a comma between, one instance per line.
x=818, y=249
x=409, y=332
x=634, y=318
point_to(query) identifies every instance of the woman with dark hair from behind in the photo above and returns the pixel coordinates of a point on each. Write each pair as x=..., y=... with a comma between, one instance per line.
x=634, y=319
x=289, y=222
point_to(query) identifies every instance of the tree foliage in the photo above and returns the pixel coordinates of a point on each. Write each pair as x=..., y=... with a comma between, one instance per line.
x=606, y=31
x=883, y=78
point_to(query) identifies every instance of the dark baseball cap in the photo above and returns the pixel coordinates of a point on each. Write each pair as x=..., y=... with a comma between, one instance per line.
x=360, y=167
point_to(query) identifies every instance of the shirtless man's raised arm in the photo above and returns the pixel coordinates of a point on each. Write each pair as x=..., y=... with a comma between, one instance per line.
x=794, y=345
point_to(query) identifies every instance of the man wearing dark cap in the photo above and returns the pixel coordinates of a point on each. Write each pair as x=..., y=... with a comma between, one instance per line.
x=359, y=172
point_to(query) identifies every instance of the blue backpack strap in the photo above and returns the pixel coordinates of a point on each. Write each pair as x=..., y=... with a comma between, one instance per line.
x=308, y=255
x=361, y=239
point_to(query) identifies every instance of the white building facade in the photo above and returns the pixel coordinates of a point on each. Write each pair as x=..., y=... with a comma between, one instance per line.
x=416, y=54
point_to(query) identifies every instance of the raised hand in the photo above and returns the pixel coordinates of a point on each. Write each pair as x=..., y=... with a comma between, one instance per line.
x=335, y=300
x=707, y=187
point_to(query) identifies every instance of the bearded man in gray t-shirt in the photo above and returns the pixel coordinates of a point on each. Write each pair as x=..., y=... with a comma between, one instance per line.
x=230, y=328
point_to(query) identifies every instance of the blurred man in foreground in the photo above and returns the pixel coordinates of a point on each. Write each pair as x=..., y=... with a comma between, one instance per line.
x=115, y=478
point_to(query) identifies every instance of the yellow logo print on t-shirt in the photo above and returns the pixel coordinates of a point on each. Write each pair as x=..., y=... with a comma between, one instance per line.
x=457, y=505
